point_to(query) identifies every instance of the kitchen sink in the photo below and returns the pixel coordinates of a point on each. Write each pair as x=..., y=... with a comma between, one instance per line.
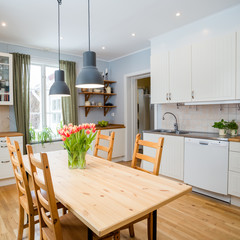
x=170, y=131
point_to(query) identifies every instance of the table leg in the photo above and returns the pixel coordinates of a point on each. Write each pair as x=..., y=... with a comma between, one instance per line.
x=90, y=234
x=155, y=225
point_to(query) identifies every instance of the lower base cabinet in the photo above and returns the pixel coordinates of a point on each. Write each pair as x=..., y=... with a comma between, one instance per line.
x=172, y=155
x=118, y=146
x=6, y=169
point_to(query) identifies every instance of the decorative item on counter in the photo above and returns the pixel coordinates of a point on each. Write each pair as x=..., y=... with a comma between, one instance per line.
x=77, y=140
x=99, y=104
x=222, y=126
x=90, y=90
x=93, y=103
x=103, y=123
x=232, y=127
x=87, y=103
x=108, y=89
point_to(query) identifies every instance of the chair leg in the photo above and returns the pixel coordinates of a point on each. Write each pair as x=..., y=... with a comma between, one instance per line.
x=150, y=226
x=131, y=231
x=64, y=210
x=31, y=227
x=21, y=223
x=116, y=236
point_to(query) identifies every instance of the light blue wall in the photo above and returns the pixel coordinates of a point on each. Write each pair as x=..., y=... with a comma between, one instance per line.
x=52, y=57
x=118, y=69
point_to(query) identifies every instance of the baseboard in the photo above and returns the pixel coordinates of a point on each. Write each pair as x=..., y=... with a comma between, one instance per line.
x=8, y=181
x=235, y=201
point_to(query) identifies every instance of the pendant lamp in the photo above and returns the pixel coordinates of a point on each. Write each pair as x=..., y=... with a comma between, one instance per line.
x=59, y=86
x=89, y=77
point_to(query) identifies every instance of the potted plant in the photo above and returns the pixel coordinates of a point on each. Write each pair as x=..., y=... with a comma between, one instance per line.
x=222, y=126
x=46, y=135
x=233, y=127
x=77, y=140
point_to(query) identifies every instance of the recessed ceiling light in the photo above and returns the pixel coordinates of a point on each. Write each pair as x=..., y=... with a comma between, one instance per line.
x=103, y=48
x=133, y=34
x=4, y=24
x=178, y=14
x=61, y=38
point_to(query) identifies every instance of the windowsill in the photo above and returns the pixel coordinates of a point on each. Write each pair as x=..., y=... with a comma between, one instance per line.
x=55, y=140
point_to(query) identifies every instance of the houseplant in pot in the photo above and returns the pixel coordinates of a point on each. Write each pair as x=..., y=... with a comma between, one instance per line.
x=233, y=127
x=77, y=140
x=222, y=126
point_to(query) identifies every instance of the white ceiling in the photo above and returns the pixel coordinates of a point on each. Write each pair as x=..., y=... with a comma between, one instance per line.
x=33, y=23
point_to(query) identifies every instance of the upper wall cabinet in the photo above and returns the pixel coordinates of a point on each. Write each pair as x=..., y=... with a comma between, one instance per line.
x=6, y=83
x=238, y=67
x=180, y=75
x=213, y=69
x=159, y=78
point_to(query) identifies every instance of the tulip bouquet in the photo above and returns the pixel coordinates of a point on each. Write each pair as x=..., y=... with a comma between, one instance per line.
x=77, y=140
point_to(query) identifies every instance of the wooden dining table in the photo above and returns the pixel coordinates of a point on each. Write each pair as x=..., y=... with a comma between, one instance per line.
x=105, y=195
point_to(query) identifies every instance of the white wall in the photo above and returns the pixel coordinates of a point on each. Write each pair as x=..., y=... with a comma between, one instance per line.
x=216, y=25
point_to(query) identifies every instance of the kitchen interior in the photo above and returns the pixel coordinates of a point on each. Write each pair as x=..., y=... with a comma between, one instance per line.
x=191, y=99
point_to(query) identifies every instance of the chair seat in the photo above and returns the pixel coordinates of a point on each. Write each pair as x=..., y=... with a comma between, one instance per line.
x=72, y=228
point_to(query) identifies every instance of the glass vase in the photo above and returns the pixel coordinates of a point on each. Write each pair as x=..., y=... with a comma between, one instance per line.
x=77, y=160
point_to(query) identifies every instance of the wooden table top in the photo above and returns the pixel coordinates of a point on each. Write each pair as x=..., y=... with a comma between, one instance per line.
x=106, y=195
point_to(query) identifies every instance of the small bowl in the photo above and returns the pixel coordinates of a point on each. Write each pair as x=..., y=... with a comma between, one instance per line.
x=96, y=90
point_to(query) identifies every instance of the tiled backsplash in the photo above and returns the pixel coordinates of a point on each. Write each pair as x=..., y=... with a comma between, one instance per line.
x=4, y=118
x=199, y=118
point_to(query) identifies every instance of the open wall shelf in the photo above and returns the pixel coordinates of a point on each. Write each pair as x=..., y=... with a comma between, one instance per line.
x=105, y=108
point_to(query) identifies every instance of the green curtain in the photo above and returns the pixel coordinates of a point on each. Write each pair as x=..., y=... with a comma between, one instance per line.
x=21, y=79
x=69, y=104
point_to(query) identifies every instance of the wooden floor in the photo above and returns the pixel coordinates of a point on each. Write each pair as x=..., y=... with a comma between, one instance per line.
x=190, y=217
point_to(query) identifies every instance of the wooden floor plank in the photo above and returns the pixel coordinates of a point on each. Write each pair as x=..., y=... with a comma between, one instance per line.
x=190, y=217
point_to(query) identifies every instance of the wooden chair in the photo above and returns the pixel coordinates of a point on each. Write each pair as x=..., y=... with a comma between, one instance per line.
x=26, y=198
x=54, y=227
x=109, y=149
x=156, y=165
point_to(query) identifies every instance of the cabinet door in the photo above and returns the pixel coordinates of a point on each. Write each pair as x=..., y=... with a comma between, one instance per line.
x=180, y=75
x=238, y=67
x=213, y=69
x=234, y=184
x=119, y=142
x=159, y=77
x=172, y=155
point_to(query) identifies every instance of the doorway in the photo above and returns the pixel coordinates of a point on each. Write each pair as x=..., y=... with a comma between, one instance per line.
x=139, y=114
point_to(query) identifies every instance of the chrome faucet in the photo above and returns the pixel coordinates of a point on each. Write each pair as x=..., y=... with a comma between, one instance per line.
x=175, y=124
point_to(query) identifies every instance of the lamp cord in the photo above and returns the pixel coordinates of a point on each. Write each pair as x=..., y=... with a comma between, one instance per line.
x=88, y=25
x=59, y=3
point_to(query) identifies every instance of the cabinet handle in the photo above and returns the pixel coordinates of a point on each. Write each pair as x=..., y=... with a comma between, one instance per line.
x=170, y=96
x=5, y=161
x=167, y=96
x=3, y=141
x=192, y=94
x=3, y=146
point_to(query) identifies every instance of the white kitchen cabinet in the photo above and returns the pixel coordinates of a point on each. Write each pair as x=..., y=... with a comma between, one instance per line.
x=213, y=69
x=172, y=156
x=180, y=87
x=234, y=169
x=160, y=77
x=118, y=145
x=238, y=67
x=6, y=80
x=6, y=170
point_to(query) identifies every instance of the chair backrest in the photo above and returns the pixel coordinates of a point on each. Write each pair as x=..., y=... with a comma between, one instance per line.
x=20, y=173
x=108, y=149
x=43, y=182
x=156, y=161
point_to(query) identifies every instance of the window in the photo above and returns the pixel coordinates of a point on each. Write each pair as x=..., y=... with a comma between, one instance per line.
x=45, y=110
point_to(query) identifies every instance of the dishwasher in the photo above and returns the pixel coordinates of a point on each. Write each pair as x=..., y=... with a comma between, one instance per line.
x=206, y=165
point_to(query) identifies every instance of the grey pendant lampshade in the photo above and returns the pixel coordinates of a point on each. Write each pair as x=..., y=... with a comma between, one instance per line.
x=89, y=77
x=59, y=86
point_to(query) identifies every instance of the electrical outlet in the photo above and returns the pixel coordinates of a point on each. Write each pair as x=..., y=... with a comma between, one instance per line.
x=113, y=114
